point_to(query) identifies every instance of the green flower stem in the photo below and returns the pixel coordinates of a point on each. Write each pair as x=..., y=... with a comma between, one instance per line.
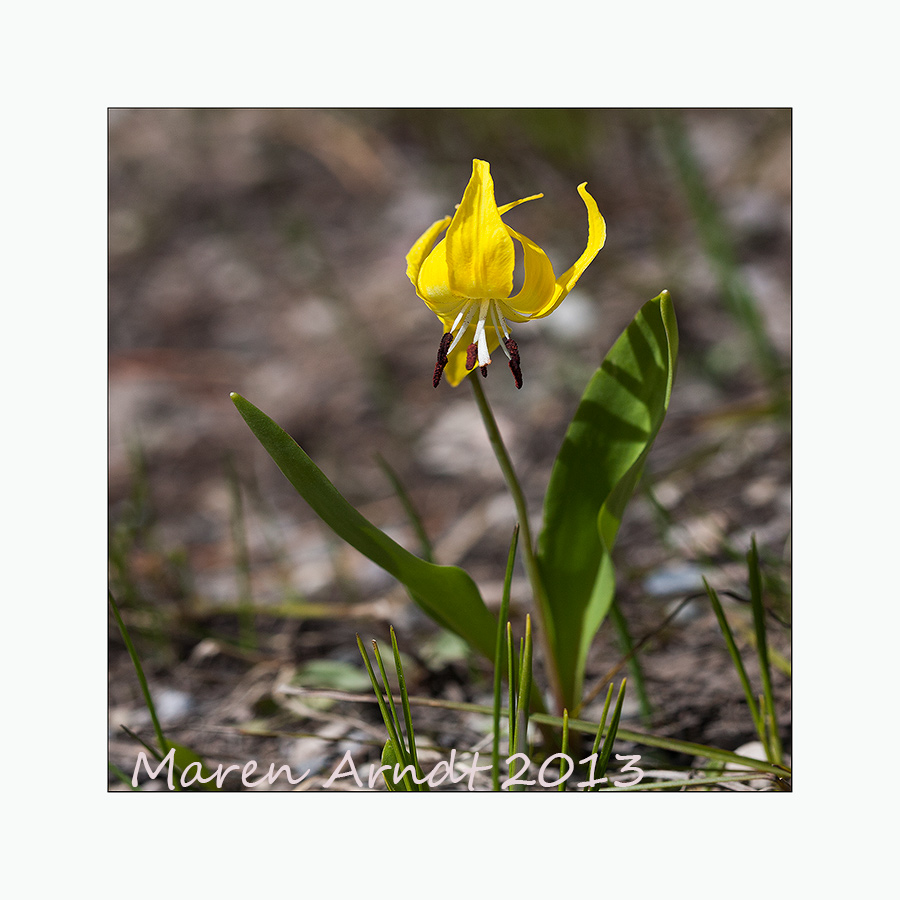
x=498, y=655
x=531, y=564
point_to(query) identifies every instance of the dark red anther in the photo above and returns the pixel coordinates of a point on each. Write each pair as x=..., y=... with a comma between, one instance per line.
x=471, y=356
x=514, y=362
x=484, y=371
x=441, y=358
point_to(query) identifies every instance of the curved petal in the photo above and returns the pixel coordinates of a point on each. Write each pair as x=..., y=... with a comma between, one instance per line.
x=480, y=252
x=538, y=286
x=503, y=210
x=456, y=364
x=421, y=248
x=596, y=239
x=433, y=284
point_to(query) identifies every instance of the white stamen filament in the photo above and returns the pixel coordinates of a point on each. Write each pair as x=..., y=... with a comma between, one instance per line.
x=462, y=311
x=500, y=325
x=464, y=318
x=469, y=311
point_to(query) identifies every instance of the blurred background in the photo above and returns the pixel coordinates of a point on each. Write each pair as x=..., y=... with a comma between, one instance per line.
x=262, y=251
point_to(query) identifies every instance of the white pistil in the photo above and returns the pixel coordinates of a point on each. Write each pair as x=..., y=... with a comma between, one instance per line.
x=484, y=357
x=464, y=318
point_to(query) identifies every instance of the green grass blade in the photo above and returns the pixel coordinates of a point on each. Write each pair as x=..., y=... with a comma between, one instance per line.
x=685, y=782
x=634, y=664
x=136, y=662
x=610, y=738
x=498, y=656
x=246, y=611
x=411, y=512
x=407, y=715
x=523, y=700
x=402, y=748
x=594, y=475
x=719, y=248
x=645, y=739
x=773, y=746
x=446, y=593
x=122, y=776
x=565, y=744
x=602, y=725
x=735, y=655
x=388, y=717
x=389, y=758
x=511, y=679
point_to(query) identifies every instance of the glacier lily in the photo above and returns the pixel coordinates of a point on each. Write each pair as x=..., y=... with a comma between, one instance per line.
x=467, y=278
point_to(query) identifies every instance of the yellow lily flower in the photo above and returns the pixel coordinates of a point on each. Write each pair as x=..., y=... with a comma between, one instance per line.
x=466, y=280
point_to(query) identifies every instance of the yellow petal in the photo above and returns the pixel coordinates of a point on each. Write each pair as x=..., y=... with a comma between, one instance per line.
x=421, y=248
x=538, y=286
x=503, y=210
x=456, y=364
x=596, y=239
x=434, y=284
x=480, y=252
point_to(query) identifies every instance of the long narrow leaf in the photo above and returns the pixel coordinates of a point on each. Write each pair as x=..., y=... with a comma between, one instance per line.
x=446, y=593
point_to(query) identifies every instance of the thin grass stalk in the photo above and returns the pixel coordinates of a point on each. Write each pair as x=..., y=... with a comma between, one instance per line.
x=404, y=700
x=634, y=665
x=610, y=738
x=411, y=512
x=719, y=248
x=524, y=697
x=511, y=708
x=735, y=655
x=122, y=777
x=592, y=770
x=636, y=737
x=145, y=688
x=602, y=725
x=390, y=696
x=565, y=746
x=246, y=612
x=611, y=674
x=521, y=659
x=547, y=634
x=389, y=718
x=687, y=782
x=148, y=747
x=773, y=747
x=498, y=656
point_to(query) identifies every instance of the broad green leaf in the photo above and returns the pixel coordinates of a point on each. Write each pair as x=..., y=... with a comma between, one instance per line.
x=594, y=475
x=446, y=593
